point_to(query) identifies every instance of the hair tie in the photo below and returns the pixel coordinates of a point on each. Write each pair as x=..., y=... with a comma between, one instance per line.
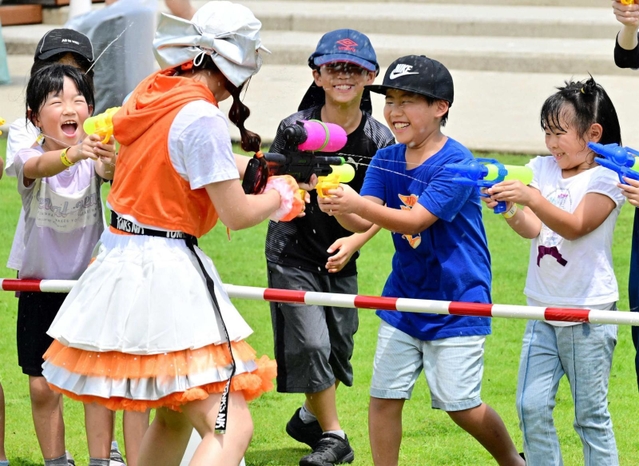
x=197, y=61
x=186, y=66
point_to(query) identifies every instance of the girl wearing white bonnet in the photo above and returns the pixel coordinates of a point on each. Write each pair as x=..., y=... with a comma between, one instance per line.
x=149, y=324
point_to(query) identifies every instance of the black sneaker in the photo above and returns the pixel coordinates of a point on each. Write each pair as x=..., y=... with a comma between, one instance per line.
x=305, y=433
x=331, y=449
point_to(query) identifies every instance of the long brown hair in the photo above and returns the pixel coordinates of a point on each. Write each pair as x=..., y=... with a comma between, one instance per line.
x=239, y=113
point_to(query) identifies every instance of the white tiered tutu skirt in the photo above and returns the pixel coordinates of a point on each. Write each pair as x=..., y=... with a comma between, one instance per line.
x=139, y=330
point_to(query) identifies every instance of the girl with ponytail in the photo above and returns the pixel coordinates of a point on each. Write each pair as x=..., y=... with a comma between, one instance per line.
x=569, y=213
x=149, y=325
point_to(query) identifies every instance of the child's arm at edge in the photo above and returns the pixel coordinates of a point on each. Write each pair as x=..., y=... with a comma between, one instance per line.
x=628, y=16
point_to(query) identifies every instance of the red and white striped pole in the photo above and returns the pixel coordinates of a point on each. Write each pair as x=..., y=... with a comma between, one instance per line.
x=377, y=302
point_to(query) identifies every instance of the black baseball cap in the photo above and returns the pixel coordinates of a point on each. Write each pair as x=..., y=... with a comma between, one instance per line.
x=344, y=45
x=418, y=74
x=64, y=40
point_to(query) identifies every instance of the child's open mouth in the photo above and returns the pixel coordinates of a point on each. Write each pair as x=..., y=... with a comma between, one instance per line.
x=69, y=128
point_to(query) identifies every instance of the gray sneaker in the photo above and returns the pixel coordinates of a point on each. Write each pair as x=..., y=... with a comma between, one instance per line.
x=330, y=449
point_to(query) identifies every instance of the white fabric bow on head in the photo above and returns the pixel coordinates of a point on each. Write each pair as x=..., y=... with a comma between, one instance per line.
x=226, y=31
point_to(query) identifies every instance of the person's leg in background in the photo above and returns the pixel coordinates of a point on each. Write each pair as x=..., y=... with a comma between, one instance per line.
x=135, y=425
x=4, y=65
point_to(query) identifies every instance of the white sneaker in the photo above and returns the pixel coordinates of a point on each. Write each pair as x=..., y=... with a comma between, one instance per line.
x=115, y=458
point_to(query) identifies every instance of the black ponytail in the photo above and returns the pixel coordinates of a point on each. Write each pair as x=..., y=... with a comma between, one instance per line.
x=238, y=114
x=591, y=105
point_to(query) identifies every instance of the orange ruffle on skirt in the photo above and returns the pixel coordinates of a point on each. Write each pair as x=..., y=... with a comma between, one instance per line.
x=251, y=384
x=179, y=364
x=116, y=365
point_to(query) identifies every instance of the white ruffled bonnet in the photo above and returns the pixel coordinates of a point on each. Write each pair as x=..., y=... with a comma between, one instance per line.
x=226, y=31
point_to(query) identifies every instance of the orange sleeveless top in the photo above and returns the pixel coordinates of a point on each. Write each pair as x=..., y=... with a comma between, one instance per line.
x=146, y=185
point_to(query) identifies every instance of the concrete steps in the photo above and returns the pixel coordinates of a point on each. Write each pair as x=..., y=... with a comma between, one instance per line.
x=511, y=54
x=432, y=19
x=507, y=38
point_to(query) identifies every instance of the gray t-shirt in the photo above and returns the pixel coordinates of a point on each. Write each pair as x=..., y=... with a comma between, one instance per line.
x=121, y=66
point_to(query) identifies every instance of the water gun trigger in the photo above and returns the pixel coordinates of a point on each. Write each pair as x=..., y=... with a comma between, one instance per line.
x=327, y=183
x=339, y=174
x=107, y=136
x=101, y=124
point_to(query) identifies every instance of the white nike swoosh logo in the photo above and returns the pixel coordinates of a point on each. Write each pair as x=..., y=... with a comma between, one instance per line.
x=395, y=75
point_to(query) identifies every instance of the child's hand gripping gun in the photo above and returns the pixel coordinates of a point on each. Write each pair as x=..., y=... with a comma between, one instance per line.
x=622, y=160
x=101, y=124
x=297, y=158
x=340, y=174
x=485, y=173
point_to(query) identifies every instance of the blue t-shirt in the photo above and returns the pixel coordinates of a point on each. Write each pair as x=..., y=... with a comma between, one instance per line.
x=447, y=261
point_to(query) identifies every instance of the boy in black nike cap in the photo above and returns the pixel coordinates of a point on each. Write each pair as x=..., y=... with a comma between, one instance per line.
x=441, y=254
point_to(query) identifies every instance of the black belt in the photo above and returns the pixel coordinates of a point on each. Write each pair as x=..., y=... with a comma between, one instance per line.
x=122, y=224
x=127, y=226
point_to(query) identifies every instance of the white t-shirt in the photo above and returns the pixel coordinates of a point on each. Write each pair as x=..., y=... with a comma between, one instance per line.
x=22, y=135
x=200, y=147
x=573, y=273
x=63, y=219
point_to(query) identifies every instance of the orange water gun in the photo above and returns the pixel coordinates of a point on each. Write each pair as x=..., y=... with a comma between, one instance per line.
x=101, y=124
x=2, y=122
x=627, y=2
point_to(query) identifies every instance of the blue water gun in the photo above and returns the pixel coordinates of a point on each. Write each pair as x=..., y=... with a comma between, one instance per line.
x=622, y=160
x=485, y=173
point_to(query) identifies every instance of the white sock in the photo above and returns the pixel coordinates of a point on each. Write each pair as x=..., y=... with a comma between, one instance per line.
x=339, y=433
x=306, y=416
x=114, y=445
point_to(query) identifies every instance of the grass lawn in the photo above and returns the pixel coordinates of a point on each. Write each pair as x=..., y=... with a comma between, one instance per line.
x=430, y=437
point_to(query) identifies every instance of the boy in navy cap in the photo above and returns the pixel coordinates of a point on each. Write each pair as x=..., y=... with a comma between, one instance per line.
x=441, y=253
x=314, y=344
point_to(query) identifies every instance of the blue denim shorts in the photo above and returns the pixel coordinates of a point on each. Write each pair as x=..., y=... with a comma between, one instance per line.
x=453, y=367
